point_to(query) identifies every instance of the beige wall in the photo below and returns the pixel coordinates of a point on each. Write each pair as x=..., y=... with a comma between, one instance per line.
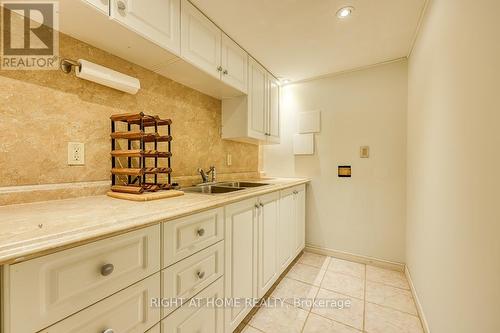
x=365, y=214
x=453, y=230
x=41, y=111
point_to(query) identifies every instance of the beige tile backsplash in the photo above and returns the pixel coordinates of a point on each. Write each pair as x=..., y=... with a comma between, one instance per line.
x=41, y=111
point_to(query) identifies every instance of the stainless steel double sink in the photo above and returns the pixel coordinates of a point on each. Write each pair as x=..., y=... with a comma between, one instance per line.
x=222, y=187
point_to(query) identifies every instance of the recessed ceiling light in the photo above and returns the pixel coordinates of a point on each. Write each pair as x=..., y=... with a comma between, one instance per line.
x=345, y=12
x=284, y=81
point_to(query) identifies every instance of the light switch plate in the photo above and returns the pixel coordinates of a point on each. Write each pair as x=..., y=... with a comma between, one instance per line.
x=364, y=152
x=76, y=153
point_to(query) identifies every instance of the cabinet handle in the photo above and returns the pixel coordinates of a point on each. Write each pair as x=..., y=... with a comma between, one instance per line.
x=108, y=330
x=200, y=232
x=121, y=6
x=107, y=269
x=200, y=275
x=219, y=69
x=225, y=72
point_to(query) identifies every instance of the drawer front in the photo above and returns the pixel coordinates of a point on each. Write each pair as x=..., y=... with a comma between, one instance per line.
x=50, y=288
x=190, y=234
x=125, y=312
x=189, y=276
x=204, y=319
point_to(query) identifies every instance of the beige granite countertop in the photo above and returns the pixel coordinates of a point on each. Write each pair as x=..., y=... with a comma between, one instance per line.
x=34, y=229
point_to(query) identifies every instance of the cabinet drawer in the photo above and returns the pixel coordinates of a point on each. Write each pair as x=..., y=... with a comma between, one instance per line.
x=50, y=288
x=190, y=234
x=125, y=312
x=190, y=318
x=187, y=277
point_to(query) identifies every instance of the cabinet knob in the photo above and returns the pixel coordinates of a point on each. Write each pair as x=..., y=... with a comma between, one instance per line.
x=257, y=206
x=108, y=330
x=105, y=271
x=261, y=204
x=225, y=72
x=121, y=6
x=200, y=275
x=200, y=232
x=219, y=68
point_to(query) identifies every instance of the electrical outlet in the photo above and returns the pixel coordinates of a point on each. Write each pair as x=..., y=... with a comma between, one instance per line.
x=76, y=153
x=229, y=160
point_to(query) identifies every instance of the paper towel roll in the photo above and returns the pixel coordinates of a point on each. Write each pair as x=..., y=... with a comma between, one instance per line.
x=107, y=77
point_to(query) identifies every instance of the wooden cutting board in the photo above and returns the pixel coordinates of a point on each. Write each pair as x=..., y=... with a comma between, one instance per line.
x=145, y=196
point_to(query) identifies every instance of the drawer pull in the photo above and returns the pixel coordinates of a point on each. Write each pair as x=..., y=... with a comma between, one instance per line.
x=200, y=232
x=200, y=275
x=105, y=271
x=108, y=330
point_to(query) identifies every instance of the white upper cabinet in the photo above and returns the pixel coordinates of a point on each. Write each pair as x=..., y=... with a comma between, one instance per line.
x=234, y=64
x=156, y=20
x=102, y=5
x=257, y=94
x=201, y=40
x=254, y=118
x=273, y=114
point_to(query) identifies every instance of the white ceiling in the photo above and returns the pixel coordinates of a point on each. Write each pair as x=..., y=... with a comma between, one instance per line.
x=300, y=39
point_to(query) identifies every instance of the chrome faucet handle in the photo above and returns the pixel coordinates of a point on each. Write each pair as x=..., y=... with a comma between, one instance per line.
x=203, y=175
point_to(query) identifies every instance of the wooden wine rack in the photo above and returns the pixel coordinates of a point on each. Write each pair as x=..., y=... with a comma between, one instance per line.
x=142, y=136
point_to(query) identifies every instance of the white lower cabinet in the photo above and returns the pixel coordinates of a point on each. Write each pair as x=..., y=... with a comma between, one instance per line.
x=286, y=229
x=201, y=315
x=291, y=225
x=268, y=236
x=229, y=256
x=300, y=218
x=50, y=288
x=186, y=278
x=128, y=311
x=241, y=260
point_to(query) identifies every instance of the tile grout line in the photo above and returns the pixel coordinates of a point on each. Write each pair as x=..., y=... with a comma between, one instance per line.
x=394, y=309
x=317, y=292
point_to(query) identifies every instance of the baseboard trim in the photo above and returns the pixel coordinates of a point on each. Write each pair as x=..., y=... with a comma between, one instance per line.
x=395, y=266
x=420, y=310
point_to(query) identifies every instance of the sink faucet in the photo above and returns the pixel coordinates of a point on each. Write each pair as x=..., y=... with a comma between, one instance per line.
x=204, y=175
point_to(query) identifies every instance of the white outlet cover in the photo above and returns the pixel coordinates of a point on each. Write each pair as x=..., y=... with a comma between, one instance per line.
x=76, y=153
x=303, y=144
x=309, y=122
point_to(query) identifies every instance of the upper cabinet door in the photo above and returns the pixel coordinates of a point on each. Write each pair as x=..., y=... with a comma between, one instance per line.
x=274, y=110
x=156, y=20
x=102, y=5
x=257, y=85
x=234, y=64
x=200, y=40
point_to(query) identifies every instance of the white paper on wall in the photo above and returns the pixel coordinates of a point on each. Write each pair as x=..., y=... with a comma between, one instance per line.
x=309, y=122
x=303, y=144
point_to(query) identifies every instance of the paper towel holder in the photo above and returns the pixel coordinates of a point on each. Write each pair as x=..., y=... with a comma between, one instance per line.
x=68, y=64
x=102, y=75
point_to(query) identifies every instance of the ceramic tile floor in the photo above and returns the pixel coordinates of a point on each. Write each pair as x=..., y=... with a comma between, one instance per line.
x=380, y=300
